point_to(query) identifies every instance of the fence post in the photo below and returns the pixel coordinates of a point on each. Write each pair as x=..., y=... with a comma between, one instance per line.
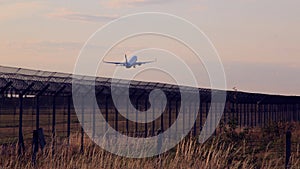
x=136, y=116
x=244, y=114
x=298, y=113
x=106, y=114
x=255, y=114
x=177, y=112
x=53, y=123
x=21, y=145
x=127, y=115
x=206, y=114
x=258, y=107
x=69, y=119
x=54, y=118
x=201, y=114
x=82, y=125
x=170, y=112
x=190, y=113
x=240, y=114
x=116, y=116
x=288, y=149
x=94, y=118
x=153, y=115
x=248, y=114
x=196, y=109
x=146, y=125
x=162, y=118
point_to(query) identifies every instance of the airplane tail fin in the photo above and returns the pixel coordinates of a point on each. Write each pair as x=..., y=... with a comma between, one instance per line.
x=126, y=58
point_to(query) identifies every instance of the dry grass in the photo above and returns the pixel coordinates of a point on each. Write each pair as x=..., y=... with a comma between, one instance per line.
x=222, y=151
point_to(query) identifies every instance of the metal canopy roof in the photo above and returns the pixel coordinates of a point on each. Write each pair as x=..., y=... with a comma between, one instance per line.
x=15, y=80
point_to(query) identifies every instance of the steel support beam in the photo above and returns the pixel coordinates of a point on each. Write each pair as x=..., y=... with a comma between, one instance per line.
x=38, y=105
x=54, y=117
x=21, y=145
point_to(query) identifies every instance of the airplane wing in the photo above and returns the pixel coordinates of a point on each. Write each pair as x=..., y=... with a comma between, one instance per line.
x=116, y=63
x=140, y=63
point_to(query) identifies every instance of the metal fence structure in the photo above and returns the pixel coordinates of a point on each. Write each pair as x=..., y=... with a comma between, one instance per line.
x=31, y=99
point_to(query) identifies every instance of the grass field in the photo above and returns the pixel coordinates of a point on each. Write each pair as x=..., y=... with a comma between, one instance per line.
x=233, y=148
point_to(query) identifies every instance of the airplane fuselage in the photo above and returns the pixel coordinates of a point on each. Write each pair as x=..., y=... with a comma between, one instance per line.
x=131, y=62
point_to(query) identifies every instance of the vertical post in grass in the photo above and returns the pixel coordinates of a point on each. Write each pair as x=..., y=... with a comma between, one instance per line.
x=159, y=145
x=20, y=141
x=82, y=126
x=277, y=114
x=289, y=112
x=177, y=109
x=136, y=116
x=206, y=114
x=215, y=116
x=162, y=117
x=189, y=113
x=240, y=113
x=127, y=111
x=235, y=113
x=265, y=114
x=255, y=113
x=293, y=112
x=53, y=122
x=274, y=113
x=106, y=113
x=35, y=139
x=298, y=112
x=116, y=117
x=54, y=116
x=258, y=113
x=200, y=114
x=21, y=145
x=288, y=149
x=38, y=105
x=153, y=115
x=196, y=109
x=251, y=113
x=183, y=117
x=224, y=113
x=244, y=114
x=69, y=119
x=146, y=125
x=37, y=115
x=285, y=113
x=94, y=118
x=268, y=114
x=247, y=114
x=282, y=112
x=170, y=112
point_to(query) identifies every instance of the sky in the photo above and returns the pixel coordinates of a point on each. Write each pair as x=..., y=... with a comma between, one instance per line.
x=257, y=40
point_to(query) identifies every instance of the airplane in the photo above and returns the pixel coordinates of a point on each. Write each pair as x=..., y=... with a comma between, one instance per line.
x=131, y=63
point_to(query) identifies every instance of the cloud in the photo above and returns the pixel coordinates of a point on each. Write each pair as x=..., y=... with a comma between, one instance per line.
x=120, y=4
x=18, y=9
x=64, y=13
x=116, y=4
x=39, y=46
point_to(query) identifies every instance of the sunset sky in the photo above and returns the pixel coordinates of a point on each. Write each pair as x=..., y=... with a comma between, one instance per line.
x=257, y=40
